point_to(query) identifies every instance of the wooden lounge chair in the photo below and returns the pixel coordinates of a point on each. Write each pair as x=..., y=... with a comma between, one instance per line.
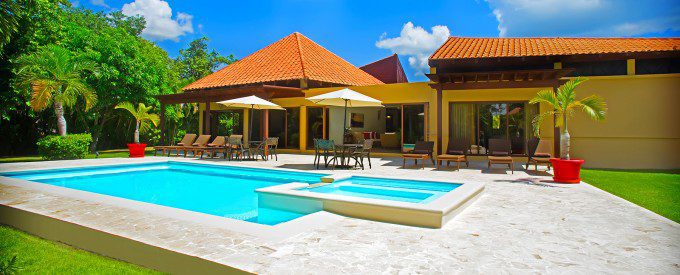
x=421, y=151
x=201, y=141
x=499, y=153
x=457, y=152
x=186, y=140
x=538, y=153
x=211, y=148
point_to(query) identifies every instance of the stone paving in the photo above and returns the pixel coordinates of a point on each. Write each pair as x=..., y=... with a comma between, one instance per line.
x=521, y=224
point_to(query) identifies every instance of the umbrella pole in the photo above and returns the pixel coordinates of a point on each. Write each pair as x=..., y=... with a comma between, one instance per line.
x=250, y=121
x=344, y=123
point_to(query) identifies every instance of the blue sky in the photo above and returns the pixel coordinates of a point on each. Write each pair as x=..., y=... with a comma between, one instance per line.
x=364, y=31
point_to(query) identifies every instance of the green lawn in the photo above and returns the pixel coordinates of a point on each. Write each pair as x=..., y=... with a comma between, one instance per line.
x=658, y=191
x=121, y=153
x=39, y=256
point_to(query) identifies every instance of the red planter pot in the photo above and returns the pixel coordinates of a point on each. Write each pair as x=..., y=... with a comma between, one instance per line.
x=136, y=149
x=567, y=170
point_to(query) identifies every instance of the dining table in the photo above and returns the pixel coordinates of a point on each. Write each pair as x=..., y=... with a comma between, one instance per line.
x=346, y=151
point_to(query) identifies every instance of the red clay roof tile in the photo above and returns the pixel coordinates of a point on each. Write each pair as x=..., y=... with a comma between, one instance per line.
x=293, y=57
x=465, y=47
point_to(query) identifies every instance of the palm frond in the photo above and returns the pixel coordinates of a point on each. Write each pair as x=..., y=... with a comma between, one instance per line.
x=594, y=106
x=41, y=96
x=536, y=122
x=129, y=107
x=547, y=97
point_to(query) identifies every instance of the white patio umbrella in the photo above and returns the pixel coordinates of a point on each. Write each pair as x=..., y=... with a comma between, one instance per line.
x=347, y=98
x=251, y=102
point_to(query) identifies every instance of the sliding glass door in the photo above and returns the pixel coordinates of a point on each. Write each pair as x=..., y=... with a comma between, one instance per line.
x=413, y=123
x=227, y=122
x=285, y=124
x=317, y=124
x=479, y=122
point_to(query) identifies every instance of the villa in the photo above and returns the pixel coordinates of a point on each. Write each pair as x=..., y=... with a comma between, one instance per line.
x=208, y=215
x=479, y=89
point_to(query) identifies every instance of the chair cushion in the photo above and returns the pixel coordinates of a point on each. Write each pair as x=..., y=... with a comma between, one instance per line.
x=416, y=156
x=500, y=159
x=451, y=157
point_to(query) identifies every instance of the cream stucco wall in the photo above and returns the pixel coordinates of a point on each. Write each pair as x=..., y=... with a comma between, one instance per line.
x=641, y=129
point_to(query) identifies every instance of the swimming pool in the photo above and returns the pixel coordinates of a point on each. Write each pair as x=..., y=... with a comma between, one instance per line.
x=411, y=191
x=224, y=191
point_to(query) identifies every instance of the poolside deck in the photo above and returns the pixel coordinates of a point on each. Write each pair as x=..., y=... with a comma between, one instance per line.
x=521, y=224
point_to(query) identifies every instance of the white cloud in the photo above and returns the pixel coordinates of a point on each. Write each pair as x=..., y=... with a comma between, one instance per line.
x=100, y=3
x=584, y=17
x=416, y=43
x=159, y=22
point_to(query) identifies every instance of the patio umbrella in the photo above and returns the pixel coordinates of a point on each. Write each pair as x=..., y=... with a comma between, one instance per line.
x=346, y=98
x=251, y=102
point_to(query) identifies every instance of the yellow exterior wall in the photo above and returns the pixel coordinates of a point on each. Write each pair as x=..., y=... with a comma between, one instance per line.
x=641, y=129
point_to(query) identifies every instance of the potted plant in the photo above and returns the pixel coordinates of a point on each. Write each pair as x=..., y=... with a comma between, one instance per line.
x=563, y=105
x=142, y=119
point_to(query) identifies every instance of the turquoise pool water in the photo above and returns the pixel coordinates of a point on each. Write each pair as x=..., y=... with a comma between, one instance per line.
x=412, y=191
x=225, y=191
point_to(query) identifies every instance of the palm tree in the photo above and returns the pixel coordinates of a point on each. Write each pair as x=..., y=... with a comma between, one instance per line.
x=564, y=104
x=141, y=115
x=56, y=77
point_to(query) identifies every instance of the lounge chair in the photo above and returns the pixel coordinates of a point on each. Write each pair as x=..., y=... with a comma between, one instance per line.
x=499, y=153
x=538, y=153
x=186, y=140
x=201, y=141
x=421, y=151
x=213, y=147
x=456, y=151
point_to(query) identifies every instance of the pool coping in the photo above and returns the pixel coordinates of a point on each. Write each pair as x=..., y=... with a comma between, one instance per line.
x=449, y=204
x=446, y=206
x=276, y=232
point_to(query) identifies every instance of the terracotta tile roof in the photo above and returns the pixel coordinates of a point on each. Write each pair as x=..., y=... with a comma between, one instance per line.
x=293, y=57
x=388, y=70
x=465, y=47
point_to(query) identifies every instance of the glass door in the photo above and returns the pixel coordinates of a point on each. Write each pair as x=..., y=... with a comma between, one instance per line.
x=413, y=123
x=225, y=123
x=317, y=124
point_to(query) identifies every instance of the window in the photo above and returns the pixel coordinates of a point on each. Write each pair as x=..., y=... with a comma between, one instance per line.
x=657, y=66
x=598, y=68
x=479, y=122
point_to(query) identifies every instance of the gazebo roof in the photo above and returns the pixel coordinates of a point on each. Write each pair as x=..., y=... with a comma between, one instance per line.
x=294, y=57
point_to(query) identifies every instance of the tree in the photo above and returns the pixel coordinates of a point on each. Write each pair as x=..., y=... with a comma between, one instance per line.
x=56, y=77
x=141, y=115
x=8, y=21
x=563, y=105
x=196, y=61
x=132, y=69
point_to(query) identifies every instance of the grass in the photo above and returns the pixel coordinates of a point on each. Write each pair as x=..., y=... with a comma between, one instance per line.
x=656, y=190
x=120, y=153
x=39, y=256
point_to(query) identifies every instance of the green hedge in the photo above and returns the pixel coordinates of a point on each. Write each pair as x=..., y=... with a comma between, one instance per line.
x=74, y=146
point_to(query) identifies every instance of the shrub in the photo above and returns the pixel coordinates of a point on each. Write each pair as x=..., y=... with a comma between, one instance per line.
x=74, y=146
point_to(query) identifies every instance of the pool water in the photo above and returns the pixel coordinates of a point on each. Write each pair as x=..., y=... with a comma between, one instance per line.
x=412, y=191
x=224, y=191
